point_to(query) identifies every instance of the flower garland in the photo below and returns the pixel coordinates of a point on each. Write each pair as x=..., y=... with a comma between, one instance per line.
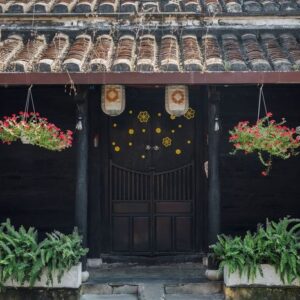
x=34, y=130
x=265, y=137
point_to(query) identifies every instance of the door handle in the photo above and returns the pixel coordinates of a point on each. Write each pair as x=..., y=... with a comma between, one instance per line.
x=155, y=148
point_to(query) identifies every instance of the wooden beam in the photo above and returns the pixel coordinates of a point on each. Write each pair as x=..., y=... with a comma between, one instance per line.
x=214, y=197
x=157, y=78
x=81, y=196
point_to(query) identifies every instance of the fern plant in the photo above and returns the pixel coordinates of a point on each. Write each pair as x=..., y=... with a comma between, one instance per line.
x=59, y=252
x=277, y=244
x=23, y=258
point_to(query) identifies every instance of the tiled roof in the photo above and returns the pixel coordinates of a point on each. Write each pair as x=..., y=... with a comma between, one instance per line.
x=246, y=51
x=150, y=6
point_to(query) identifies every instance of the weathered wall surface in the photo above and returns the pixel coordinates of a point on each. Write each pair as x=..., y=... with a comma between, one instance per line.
x=40, y=294
x=37, y=186
x=248, y=197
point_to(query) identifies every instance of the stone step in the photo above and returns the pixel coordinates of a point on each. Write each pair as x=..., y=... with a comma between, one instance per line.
x=108, y=289
x=136, y=274
x=153, y=291
x=150, y=291
x=194, y=297
x=108, y=297
x=201, y=288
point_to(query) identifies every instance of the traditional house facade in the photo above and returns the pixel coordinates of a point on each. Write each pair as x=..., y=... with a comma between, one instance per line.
x=135, y=182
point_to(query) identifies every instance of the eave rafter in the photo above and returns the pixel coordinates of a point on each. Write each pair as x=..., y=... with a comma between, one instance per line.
x=189, y=78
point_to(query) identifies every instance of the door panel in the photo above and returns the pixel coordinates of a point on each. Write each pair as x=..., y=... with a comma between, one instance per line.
x=163, y=234
x=152, y=179
x=141, y=234
x=121, y=233
x=183, y=233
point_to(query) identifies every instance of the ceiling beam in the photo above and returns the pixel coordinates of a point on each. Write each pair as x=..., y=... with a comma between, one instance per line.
x=128, y=78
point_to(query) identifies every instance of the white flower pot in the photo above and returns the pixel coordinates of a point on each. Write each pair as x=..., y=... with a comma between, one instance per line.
x=269, y=278
x=24, y=139
x=71, y=279
x=214, y=275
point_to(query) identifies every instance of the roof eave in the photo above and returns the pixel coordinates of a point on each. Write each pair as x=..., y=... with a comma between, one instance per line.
x=161, y=78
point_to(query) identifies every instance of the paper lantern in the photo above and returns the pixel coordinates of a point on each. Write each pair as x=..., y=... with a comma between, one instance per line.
x=176, y=99
x=113, y=99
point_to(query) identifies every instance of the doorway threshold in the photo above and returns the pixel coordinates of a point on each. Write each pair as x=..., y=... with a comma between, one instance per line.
x=152, y=260
x=133, y=273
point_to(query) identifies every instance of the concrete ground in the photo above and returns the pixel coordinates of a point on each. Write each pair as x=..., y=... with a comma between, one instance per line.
x=178, y=281
x=131, y=273
x=195, y=297
x=108, y=297
x=167, y=297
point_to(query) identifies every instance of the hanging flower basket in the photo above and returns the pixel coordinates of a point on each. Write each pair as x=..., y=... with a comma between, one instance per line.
x=266, y=138
x=32, y=129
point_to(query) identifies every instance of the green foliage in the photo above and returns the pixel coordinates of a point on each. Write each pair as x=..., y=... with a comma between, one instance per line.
x=23, y=259
x=34, y=130
x=59, y=252
x=266, y=138
x=277, y=244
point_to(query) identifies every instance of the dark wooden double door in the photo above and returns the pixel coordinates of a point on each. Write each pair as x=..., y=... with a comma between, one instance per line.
x=153, y=206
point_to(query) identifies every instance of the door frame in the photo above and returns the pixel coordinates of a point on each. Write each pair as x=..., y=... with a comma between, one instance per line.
x=99, y=206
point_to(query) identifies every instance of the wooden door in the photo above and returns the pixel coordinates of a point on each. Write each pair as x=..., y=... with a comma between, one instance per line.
x=152, y=178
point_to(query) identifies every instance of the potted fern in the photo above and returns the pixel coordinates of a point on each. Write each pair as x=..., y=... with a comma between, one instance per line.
x=53, y=262
x=267, y=257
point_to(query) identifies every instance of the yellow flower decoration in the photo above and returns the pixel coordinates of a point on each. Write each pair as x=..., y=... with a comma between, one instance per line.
x=158, y=130
x=117, y=149
x=172, y=117
x=143, y=116
x=167, y=142
x=178, y=151
x=131, y=131
x=190, y=114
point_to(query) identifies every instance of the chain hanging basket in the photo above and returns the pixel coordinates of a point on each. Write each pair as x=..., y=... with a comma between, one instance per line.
x=32, y=129
x=266, y=138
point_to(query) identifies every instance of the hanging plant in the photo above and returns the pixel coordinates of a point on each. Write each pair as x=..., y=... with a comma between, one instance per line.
x=266, y=138
x=32, y=129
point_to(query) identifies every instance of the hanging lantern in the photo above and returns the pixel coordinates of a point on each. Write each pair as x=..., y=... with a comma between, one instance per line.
x=177, y=99
x=113, y=99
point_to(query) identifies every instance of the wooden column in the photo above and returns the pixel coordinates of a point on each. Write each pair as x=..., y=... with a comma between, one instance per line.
x=214, y=197
x=81, y=196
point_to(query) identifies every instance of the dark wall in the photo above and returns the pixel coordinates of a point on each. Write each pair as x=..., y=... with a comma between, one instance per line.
x=37, y=186
x=247, y=197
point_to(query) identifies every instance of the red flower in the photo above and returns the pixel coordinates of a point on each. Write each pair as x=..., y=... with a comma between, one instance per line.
x=264, y=173
x=269, y=114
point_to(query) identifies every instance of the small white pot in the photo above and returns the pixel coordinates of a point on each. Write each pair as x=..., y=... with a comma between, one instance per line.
x=24, y=139
x=269, y=278
x=214, y=275
x=71, y=279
